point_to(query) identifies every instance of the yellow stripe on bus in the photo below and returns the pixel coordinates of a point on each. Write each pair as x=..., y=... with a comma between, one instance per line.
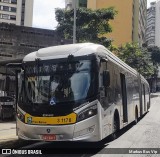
x=69, y=119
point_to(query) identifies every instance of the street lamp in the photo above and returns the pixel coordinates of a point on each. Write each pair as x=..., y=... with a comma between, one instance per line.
x=74, y=25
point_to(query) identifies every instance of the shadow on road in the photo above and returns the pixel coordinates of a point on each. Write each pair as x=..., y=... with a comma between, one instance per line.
x=66, y=148
x=15, y=144
x=89, y=148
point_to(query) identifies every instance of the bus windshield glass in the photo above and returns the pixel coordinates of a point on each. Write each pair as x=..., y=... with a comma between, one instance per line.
x=59, y=83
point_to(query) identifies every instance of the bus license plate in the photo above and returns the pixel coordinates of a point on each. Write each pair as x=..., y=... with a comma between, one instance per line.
x=50, y=137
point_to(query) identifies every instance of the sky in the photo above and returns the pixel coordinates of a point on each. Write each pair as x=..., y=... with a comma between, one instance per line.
x=43, y=12
x=149, y=1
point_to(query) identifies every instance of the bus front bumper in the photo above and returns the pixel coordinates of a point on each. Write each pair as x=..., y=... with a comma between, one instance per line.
x=86, y=130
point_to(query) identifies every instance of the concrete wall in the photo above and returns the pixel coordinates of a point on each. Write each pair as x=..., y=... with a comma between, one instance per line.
x=28, y=19
x=135, y=21
x=157, y=25
x=18, y=13
x=17, y=41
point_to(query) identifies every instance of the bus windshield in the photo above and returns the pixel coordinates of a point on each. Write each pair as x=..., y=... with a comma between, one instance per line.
x=60, y=86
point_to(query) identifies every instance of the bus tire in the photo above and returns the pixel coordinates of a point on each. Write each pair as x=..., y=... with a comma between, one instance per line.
x=136, y=115
x=116, y=126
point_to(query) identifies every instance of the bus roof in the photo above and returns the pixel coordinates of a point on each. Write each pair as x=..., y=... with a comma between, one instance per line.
x=80, y=49
x=62, y=51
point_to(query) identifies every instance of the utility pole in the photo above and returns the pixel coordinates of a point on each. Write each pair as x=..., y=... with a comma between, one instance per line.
x=74, y=25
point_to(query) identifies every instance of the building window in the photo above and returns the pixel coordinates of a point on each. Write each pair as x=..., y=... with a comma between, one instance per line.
x=14, y=1
x=6, y=1
x=5, y=43
x=83, y=3
x=5, y=8
x=5, y=55
x=12, y=17
x=13, y=9
x=5, y=16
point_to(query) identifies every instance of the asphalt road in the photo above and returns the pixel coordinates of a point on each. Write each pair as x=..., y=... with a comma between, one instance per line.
x=139, y=137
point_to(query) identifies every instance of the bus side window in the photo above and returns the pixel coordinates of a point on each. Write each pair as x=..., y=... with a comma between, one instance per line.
x=103, y=98
x=110, y=91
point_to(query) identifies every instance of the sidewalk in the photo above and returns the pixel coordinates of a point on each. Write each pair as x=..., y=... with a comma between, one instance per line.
x=7, y=132
x=157, y=94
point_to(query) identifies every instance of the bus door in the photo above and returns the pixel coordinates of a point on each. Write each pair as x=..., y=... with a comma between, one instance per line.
x=124, y=98
x=144, y=97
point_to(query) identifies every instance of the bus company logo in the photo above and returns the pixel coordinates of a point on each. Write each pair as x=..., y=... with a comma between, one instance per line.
x=29, y=120
x=52, y=101
x=48, y=130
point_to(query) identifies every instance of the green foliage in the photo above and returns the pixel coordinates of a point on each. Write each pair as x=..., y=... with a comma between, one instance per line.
x=91, y=25
x=155, y=54
x=137, y=57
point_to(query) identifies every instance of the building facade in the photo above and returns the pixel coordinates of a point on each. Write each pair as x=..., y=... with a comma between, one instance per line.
x=142, y=21
x=151, y=23
x=130, y=22
x=157, y=25
x=18, y=41
x=69, y=4
x=153, y=37
x=18, y=12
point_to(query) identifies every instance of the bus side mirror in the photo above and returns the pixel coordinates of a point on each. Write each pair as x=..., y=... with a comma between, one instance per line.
x=106, y=78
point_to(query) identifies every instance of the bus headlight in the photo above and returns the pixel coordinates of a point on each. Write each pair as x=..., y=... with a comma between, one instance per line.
x=20, y=116
x=87, y=113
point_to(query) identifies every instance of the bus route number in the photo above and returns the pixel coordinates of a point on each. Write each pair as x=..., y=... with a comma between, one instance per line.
x=64, y=120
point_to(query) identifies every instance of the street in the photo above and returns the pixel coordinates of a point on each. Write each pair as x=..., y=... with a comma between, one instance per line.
x=145, y=134
x=7, y=130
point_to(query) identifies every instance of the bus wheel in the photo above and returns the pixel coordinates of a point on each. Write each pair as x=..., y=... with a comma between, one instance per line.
x=116, y=126
x=136, y=116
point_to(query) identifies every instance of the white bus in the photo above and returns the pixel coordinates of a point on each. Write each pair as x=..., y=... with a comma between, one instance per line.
x=78, y=92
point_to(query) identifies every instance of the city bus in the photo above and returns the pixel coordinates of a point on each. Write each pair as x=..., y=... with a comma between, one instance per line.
x=78, y=92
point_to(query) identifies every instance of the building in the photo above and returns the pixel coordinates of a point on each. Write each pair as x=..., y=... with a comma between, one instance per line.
x=142, y=21
x=130, y=22
x=18, y=41
x=18, y=12
x=157, y=24
x=151, y=22
x=69, y=4
x=153, y=36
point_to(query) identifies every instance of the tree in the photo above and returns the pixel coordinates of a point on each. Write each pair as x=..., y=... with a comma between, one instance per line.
x=137, y=57
x=155, y=54
x=91, y=25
